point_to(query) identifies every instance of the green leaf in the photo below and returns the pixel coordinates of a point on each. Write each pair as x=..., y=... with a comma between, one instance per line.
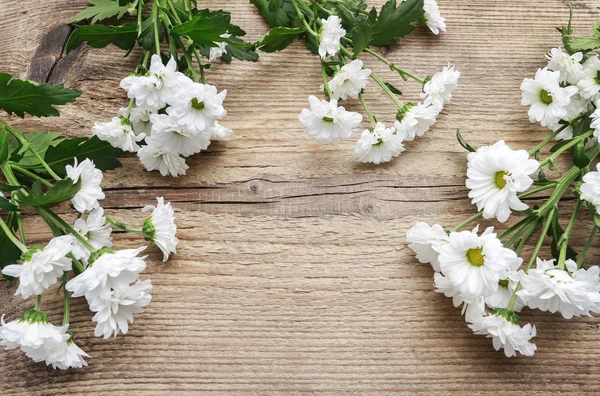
x=8, y=187
x=10, y=253
x=361, y=35
x=577, y=43
x=3, y=145
x=63, y=190
x=100, y=36
x=580, y=157
x=394, y=21
x=393, y=89
x=205, y=28
x=278, y=12
x=559, y=145
x=242, y=53
x=464, y=143
x=7, y=205
x=278, y=38
x=556, y=232
x=21, y=96
x=100, y=10
x=40, y=141
x=146, y=38
x=102, y=153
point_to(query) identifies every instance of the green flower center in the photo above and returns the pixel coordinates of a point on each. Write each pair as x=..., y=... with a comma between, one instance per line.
x=196, y=104
x=499, y=179
x=475, y=257
x=148, y=230
x=402, y=112
x=33, y=316
x=96, y=255
x=327, y=119
x=545, y=97
x=503, y=283
x=28, y=255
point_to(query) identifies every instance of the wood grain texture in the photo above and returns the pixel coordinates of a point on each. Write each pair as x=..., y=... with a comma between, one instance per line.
x=293, y=276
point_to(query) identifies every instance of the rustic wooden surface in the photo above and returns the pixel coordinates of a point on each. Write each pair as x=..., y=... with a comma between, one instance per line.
x=292, y=274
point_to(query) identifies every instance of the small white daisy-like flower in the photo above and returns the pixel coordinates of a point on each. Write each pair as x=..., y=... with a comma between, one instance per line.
x=115, y=311
x=119, y=134
x=33, y=334
x=415, y=120
x=437, y=91
x=140, y=119
x=219, y=132
x=590, y=189
x=432, y=17
x=589, y=84
x=473, y=308
x=576, y=108
x=158, y=87
x=177, y=138
x=89, y=191
x=160, y=227
x=569, y=66
x=349, y=81
x=595, y=125
x=220, y=49
x=154, y=157
x=109, y=270
x=572, y=292
x=378, y=145
x=95, y=230
x=330, y=36
x=475, y=264
x=548, y=101
x=327, y=122
x=506, y=289
x=66, y=355
x=495, y=174
x=425, y=241
x=41, y=268
x=198, y=106
x=506, y=334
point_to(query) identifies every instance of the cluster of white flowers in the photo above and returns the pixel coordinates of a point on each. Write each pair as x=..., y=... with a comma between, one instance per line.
x=109, y=279
x=563, y=92
x=328, y=122
x=173, y=118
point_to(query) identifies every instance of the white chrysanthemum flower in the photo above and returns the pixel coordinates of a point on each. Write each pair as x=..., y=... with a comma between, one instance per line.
x=506, y=289
x=119, y=134
x=437, y=91
x=115, y=311
x=475, y=264
x=219, y=132
x=158, y=87
x=589, y=84
x=220, y=49
x=176, y=138
x=349, y=81
x=595, y=125
x=198, y=106
x=548, y=100
x=572, y=292
x=378, y=145
x=415, y=120
x=576, y=108
x=32, y=334
x=473, y=308
x=154, y=157
x=95, y=230
x=495, y=174
x=41, y=268
x=590, y=189
x=160, y=227
x=139, y=117
x=66, y=355
x=89, y=191
x=110, y=270
x=330, y=36
x=425, y=241
x=506, y=334
x=327, y=122
x=569, y=66
x=432, y=17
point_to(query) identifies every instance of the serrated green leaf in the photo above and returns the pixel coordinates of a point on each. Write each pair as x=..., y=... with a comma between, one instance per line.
x=21, y=96
x=39, y=141
x=100, y=152
x=205, y=28
x=278, y=12
x=278, y=38
x=63, y=190
x=146, y=38
x=575, y=44
x=100, y=36
x=463, y=142
x=7, y=205
x=361, y=35
x=100, y=10
x=395, y=21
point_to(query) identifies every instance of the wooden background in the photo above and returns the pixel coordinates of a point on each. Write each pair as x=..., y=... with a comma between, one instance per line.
x=293, y=275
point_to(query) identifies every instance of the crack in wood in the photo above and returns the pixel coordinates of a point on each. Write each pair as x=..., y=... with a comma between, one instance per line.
x=48, y=63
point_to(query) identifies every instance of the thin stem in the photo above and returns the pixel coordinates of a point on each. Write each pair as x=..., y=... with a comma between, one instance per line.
x=392, y=66
x=10, y=235
x=564, y=148
x=514, y=227
x=367, y=110
x=385, y=88
x=301, y=16
x=518, y=234
x=38, y=302
x=155, y=23
x=526, y=236
x=564, y=239
x=325, y=83
x=467, y=221
x=586, y=247
x=31, y=175
x=199, y=60
x=10, y=177
x=65, y=302
x=122, y=226
x=536, y=190
x=26, y=144
x=139, y=16
x=548, y=139
x=63, y=224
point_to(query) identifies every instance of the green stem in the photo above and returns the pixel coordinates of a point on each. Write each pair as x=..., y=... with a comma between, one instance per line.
x=548, y=139
x=67, y=227
x=325, y=83
x=564, y=239
x=586, y=247
x=139, y=17
x=38, y=302
x=188, y=59
x=385, y=88
x=122, y=226
x=10, y=235
x=65, y=302
x=564, y=148
x=301, y=16
x=12, y=180
x=30, y=174
x=561, y=187
x=526, y=236
x=536, y=190
x=522, y=222
x=199, y=60
x=155, y=23
x=467, y=221
x=367, y=110
x=392, y=66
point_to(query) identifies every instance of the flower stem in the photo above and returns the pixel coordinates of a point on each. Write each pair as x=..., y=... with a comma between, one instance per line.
x=548, y=139
x=536, y=190
x=301, y=16
x=188, y=59
x=155, y=23
x=467, y=221
x=65, y=301
x=391, y=65
x=63, y=224
x=122, y=226
x=586, y=247
x=10, y=235
x=385, y=88
x=197, y=55
x=521, y=223
x=367, y=110
x=325, y=83
x=564, y=148
x=38, y=302
x=564, y=239
x=31, y=175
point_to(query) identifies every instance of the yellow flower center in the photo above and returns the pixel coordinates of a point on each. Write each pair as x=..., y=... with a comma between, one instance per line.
x=327, y=119
x=196, y=104
x=499, y=179
x=503, y=283
x=545, y=97
x=475, y=257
